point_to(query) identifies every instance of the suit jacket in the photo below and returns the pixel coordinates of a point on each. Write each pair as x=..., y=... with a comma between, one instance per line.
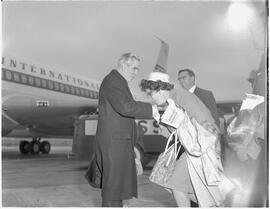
x=208, y=99
x=115, y=137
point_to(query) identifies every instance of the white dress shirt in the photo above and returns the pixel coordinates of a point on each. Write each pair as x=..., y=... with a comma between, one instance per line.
x=192, y=89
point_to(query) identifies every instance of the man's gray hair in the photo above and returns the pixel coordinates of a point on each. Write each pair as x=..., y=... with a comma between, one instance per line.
x=128, y=58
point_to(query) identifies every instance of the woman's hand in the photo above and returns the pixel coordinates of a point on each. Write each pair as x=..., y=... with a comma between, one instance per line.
x=170, y=129
x=165, y=130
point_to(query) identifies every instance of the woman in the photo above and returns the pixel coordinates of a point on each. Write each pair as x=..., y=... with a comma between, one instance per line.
x=189, y=181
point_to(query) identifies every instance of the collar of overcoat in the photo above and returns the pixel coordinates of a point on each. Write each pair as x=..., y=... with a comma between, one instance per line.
x=117, y=74
x=122, y=80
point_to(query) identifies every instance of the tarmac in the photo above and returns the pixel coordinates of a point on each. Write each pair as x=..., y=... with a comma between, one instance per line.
x=55, y=180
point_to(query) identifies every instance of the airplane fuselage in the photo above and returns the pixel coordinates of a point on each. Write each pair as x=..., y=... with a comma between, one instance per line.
x=41, y=102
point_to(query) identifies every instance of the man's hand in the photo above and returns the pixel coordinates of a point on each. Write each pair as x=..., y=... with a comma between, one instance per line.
x=155, y=112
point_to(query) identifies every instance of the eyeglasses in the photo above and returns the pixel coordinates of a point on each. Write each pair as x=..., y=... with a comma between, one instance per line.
x=133, y=69
x=181, y=78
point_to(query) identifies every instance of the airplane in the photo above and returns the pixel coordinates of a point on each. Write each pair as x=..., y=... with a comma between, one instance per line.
x=42, y=102
x=39, y=102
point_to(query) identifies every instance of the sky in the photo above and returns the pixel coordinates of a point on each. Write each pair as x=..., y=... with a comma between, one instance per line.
x=88, y=37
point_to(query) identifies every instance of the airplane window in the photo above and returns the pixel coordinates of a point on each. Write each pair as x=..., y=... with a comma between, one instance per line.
x=86, y=92
x=56, y=86
x=67, y=88
x=82, y=92
x=31, y=80
x=37, y=80
x=50, y=84
x=62, y=87
x=24, y=78
x=8, y=75
x=90, y=94
x=16, y=77
x=44, y=83
x=72, y=90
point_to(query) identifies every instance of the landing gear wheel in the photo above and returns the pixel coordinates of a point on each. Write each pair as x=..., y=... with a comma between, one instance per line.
x=24, y=147
x=34, y=147
x=144, y=158
x=45, y=147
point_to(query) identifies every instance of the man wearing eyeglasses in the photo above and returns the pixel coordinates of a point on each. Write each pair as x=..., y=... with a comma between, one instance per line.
x=115, y=132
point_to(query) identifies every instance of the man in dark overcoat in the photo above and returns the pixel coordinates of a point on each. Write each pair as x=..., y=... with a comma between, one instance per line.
x=115, y=132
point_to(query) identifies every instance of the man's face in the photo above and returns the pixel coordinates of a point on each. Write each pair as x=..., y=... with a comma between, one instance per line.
x=131, y=69
x=185, y=80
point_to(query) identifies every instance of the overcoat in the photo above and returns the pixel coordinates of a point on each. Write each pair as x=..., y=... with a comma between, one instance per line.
x=115, y=137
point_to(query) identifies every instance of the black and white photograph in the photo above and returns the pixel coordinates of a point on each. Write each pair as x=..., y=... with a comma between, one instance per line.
x=135, y=103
